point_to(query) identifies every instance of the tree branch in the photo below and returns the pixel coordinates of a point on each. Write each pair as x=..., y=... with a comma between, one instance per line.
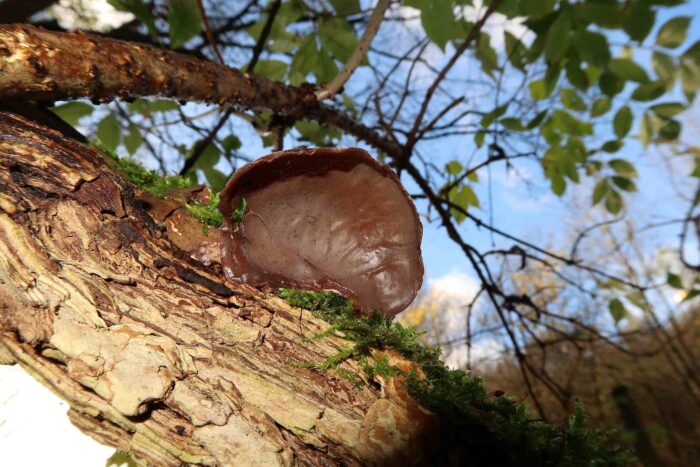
x=95, y=290
x=47, y=66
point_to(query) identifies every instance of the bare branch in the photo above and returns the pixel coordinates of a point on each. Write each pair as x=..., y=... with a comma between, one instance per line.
x=358, y=54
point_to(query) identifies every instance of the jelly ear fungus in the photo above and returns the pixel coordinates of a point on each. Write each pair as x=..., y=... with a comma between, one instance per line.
x=324, y=218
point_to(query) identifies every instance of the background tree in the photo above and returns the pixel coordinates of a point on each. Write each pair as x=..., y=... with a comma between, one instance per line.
x=448, y=93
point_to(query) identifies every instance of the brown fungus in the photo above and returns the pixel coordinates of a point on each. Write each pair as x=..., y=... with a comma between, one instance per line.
x=325, y=218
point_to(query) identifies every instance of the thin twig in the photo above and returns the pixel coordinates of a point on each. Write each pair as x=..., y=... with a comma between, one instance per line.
x=207, y=29
x=264, y=34
x=358, y=54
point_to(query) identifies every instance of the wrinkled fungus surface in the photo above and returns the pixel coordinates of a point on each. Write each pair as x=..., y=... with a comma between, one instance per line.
x=324, y=218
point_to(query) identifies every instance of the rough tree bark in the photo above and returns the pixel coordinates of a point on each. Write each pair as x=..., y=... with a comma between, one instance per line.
x=116, y=302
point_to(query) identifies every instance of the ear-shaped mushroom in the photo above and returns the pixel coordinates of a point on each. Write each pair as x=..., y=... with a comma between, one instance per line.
x=324, y=218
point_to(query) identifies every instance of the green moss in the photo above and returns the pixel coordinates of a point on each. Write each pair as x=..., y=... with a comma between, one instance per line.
x=207, y=214
x=239, y=212
x=159, y=185
x=146, y=179
x=479, y=429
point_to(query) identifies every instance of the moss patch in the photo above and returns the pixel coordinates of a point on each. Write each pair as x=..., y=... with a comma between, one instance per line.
x=480, y=429
x=159, y=185
x=207, y=214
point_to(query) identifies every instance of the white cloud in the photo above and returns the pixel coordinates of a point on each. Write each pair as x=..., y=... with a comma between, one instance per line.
x=523, y=190
x=497, y=24
x=97, y=15
x=455, y=287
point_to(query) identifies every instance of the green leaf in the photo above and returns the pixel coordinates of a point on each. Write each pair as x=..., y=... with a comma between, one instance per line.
x=576, y=75
x=437, y=18
x=230, y=143
x=239, y=212
x=317, y=134
x=674, y=280
x=600, y=106
x=140, y=10
x=664, y=67
x=537, y=120
x=515, y=50
x=593, y=167
x=572, y=100
x=133, y=139
x=669, y=131
x=207, y=159
x=539, y=90
x=567, y=123
x=622, y=122
x=338, y=37
x=304, y=61
x=536, y=8
x=479, y=138
x=673, y=32
x=512, y=124
x=489, y=118
x=109, y=132
x=542, y=88
x=163, y=105
x=346, y=7
x=215, y=178
x=613, y=202
x=273, y=69
x=486, y=54
x=184, y=21
x=453, y=167
x=610, y=83
x=649, y=91
x=558, y=184
x=463, y=197
x=600, y=190
x=639, y=21
x=606, y=14
x=623, y=167
x=72, y=112
x=690, y=76
x=668, y=109
x=692, y=53
x=628, y=70
x=558, y=37
x=646, y=129
x=613, y=145
x=624, y=183
x=592, y=47
x=617, y=309
x=146, y=107
x=326, y=69
x=691, y=294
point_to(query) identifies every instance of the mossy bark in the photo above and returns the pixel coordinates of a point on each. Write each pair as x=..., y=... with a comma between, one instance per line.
x=116, y=302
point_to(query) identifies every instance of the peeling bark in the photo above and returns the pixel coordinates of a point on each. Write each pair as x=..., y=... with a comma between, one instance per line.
x=156, y=354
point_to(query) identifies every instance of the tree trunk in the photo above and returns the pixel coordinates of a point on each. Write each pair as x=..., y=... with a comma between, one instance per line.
x=116, y=302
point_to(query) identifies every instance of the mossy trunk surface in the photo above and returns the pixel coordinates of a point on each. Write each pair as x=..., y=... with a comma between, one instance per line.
x=115, y=300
